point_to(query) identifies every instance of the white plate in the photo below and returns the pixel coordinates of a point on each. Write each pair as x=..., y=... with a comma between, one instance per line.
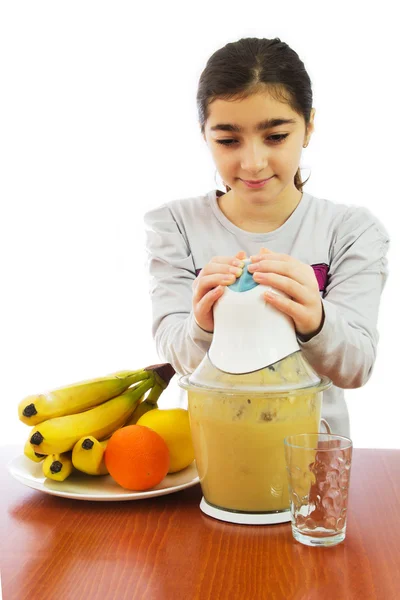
x=89, y=487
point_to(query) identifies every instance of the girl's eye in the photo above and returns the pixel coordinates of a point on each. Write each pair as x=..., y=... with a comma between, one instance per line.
x=275, y=139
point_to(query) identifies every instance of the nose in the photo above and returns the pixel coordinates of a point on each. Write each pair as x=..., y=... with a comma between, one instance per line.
x=254, y=159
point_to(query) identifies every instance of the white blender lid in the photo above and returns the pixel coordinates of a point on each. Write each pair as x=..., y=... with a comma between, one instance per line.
x=249, y=333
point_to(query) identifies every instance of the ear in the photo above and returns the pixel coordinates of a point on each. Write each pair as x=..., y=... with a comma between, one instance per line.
x=311, y=124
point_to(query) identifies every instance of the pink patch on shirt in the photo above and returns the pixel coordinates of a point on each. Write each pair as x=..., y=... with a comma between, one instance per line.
x=321, y=273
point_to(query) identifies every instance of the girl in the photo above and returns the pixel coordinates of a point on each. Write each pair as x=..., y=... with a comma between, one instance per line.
x=255, y=112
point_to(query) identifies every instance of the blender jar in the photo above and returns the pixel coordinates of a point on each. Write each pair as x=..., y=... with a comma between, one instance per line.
x=238, y=424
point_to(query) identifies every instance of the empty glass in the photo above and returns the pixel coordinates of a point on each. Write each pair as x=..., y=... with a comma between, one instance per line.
x=318, y=468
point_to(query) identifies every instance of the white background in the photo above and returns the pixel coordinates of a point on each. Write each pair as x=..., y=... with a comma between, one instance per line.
x=99, y=124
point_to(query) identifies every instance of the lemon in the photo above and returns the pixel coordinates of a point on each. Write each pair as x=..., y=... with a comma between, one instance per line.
x=174, y=427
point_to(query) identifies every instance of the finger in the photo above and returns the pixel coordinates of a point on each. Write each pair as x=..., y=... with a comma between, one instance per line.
x=261, y=254
x=204, y=305
x=241, y=254
x=288, y=269
x=208, y=282
x=286, y=305
x=274, y=255
x=292, y=288
x=222, y=269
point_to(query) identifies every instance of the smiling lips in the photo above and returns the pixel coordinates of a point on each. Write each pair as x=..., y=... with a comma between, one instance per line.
x=255, y=181
x=258, y=183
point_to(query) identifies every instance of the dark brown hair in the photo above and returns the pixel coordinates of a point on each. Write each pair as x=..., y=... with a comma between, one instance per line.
x=253, y=65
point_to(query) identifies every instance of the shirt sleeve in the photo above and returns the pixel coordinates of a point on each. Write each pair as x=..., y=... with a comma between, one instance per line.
x=345, y=348
x=178, y=338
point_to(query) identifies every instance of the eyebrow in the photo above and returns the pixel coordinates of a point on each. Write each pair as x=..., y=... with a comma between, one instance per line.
x=267, y=124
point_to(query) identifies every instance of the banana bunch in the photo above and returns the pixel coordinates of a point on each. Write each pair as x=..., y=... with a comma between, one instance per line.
x=72, y=424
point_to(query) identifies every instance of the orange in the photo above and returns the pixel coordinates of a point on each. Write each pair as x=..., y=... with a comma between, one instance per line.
x=137, y=457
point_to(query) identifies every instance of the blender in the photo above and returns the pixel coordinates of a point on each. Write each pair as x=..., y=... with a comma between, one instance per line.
x=253, y=388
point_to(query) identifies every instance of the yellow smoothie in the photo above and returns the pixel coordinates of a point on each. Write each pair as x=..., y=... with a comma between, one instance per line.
x=239, y=450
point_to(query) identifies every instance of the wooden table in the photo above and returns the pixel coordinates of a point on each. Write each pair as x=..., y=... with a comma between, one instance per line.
x=166, y=548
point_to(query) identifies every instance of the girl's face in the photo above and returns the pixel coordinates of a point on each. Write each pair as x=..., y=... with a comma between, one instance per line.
x=243, y=152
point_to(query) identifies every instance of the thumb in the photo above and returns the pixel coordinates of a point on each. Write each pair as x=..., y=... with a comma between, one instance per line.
x=241, y=254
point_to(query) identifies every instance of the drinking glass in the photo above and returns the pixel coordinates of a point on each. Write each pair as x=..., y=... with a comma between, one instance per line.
x=318, y=467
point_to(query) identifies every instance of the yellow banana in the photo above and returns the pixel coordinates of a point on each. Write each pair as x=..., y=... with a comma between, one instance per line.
x=77, y=397
x=30, y=453
x=58, y=466
x=61, y=434
x=88, y=455
x=140, y=410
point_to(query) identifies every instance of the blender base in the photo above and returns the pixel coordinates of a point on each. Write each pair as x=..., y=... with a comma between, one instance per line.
x=242, y=517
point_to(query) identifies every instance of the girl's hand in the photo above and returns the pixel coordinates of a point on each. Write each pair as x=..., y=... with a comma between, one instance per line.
x=298, y=281
x=209, y=286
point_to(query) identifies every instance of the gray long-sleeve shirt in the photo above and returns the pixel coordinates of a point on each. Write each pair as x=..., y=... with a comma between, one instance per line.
x=345, y=244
